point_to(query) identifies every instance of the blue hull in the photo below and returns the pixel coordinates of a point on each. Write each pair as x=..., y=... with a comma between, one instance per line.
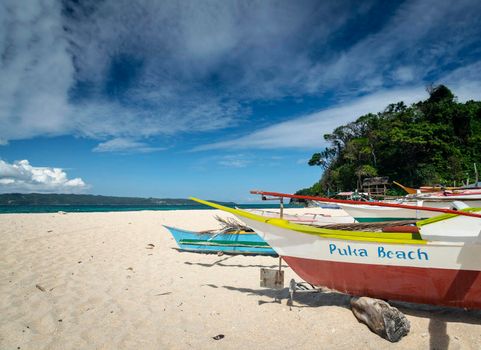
x=249, y=243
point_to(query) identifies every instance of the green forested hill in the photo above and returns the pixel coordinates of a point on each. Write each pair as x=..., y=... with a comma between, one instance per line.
x=435, y=141
x=83, y=199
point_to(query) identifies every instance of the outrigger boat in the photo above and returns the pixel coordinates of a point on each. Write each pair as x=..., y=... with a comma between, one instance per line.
x=368, y=213
x=442, y=199
x=226, y=241
x=424, y=189
x=436, y=261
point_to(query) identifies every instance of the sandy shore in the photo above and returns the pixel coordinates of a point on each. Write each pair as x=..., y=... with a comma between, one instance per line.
x=88, y=281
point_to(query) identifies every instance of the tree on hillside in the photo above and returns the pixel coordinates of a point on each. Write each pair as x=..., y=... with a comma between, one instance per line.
x=430, y=142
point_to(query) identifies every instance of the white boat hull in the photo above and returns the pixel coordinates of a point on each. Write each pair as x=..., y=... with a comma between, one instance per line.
x=437, y=273
x=364, y=213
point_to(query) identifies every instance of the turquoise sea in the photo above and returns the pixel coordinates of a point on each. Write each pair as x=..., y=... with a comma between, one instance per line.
x=106, y=208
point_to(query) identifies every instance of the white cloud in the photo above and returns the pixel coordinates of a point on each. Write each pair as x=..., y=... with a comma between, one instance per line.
x=195, y=66
x=234, y=161
x=36, y=70
x=56, y=68
x=20, y=176
x=122, y=145
x=101, y=120
x=463, y=82
x=404, y=74
x=307, y=132
x=196, y=63
x=425, y=34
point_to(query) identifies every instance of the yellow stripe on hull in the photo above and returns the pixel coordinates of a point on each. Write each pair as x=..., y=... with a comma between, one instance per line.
x=442, y=217
x=380, y=237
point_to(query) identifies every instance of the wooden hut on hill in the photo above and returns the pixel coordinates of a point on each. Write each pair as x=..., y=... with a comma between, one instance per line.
x=375, y=186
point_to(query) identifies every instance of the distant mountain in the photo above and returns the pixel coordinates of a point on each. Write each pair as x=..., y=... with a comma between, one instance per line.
x=84, y=199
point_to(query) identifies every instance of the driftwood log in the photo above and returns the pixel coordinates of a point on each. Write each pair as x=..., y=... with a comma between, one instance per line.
x=381, y=318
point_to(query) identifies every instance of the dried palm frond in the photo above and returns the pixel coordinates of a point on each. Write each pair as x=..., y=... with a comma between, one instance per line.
x=228, y=225
x=232, y=225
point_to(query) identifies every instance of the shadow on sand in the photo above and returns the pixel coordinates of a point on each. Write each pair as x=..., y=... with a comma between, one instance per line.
x=438, y=316
x=221, y=263
x=440, y=313
x=216, y=252
x=314, y=299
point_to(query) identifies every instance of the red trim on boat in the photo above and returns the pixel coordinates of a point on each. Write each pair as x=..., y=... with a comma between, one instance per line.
x=458, y=288
x=405, y=229
x=378, y=204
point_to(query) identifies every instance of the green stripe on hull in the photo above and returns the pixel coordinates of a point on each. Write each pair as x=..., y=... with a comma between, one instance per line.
x=381, y=219
x=232, y=252
x=224, y=243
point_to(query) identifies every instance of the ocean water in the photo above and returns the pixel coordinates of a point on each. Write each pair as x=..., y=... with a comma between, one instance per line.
x=5, y=209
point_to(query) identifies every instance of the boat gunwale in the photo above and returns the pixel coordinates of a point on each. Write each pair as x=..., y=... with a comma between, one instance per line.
x=367, y=236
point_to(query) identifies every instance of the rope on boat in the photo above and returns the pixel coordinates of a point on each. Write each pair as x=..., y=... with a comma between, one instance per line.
x=368, y=226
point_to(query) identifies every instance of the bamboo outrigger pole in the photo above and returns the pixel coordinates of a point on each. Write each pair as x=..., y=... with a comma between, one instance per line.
x=378, y=204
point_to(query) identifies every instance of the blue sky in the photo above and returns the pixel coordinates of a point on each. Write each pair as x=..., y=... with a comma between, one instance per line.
x=210, y=98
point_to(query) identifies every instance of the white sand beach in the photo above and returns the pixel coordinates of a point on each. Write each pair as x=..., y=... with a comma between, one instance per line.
x=89, y=281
